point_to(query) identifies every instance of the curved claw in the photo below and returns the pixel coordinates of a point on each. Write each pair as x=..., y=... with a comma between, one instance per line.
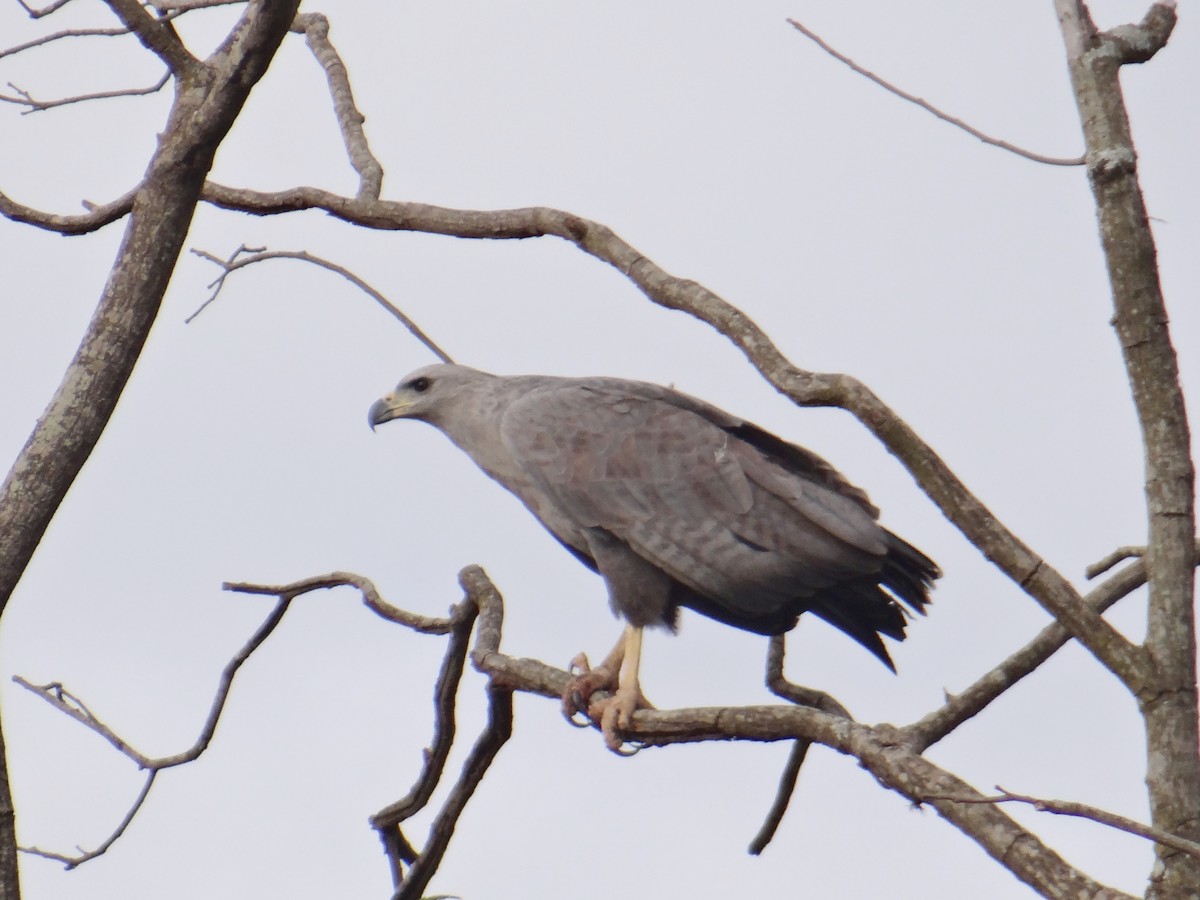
x=629, y=748
x=585, y=722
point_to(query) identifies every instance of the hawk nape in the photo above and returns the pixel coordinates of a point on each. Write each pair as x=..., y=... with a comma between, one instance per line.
x=675, y=503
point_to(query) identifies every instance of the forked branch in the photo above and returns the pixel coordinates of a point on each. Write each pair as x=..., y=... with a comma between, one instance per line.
x=883, y=750
x=66, y=702
x=247, y=256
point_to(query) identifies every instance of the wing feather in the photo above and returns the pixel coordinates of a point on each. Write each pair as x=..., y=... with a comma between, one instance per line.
x=690, y=496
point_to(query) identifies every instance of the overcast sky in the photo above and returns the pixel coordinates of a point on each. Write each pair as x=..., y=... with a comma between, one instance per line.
x=964, y=284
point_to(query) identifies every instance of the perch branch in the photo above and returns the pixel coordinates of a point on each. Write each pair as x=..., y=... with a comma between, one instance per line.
x=881, y=749
x=930, y=108
x=233, y=263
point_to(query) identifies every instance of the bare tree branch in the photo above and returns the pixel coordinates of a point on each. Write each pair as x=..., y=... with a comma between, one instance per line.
x=174, y=7
x=209, y=100
x=60, y=698
x=1121, y=554
x=34, y=105
x=494, y=735
x=62, y=35
x=372, y=599
x=458, y=624
x=315, y=28
x=783, y=796
x=97, y=217
x=795, y=693
x=157, y=36
x=78, y=859
x=974, y=699
x=1167, y=695
x=66, y=702
x=1139, y=43
x=422, y=864
x=236, y=261
x=1092, y=813
x=45, y=10
x=388, y=820
x=930, y=108
x=881, y=749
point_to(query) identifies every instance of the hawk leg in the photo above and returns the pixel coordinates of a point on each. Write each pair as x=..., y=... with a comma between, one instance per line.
x=616, y=675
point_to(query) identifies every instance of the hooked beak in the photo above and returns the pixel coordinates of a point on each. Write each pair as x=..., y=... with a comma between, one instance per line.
x=383, y=410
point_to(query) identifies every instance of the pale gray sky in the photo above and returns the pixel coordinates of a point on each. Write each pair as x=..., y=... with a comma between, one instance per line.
x=964, y=284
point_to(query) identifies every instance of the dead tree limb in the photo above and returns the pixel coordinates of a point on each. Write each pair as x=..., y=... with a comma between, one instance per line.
x=930, y=108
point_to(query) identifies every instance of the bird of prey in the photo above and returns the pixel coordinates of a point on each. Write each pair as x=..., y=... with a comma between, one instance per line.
x=674, y=503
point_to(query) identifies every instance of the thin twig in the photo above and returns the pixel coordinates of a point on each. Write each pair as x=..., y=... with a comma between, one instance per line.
x=79, y=859
x=233, y=263
x=45, y=10
x=1092, y=813
x=372, y=599
x=24, y=98
x=63, y=700
x=930, y=108
x=62, y=35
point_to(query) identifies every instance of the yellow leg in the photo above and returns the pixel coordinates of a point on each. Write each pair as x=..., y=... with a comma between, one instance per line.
x=617, y=676
x=629, y=689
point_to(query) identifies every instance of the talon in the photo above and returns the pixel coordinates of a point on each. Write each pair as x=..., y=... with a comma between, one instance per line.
x=629, y=748
x=609, y=694
x=585, y=722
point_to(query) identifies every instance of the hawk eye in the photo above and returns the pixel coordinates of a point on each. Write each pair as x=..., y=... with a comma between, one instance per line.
x=420, y=385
